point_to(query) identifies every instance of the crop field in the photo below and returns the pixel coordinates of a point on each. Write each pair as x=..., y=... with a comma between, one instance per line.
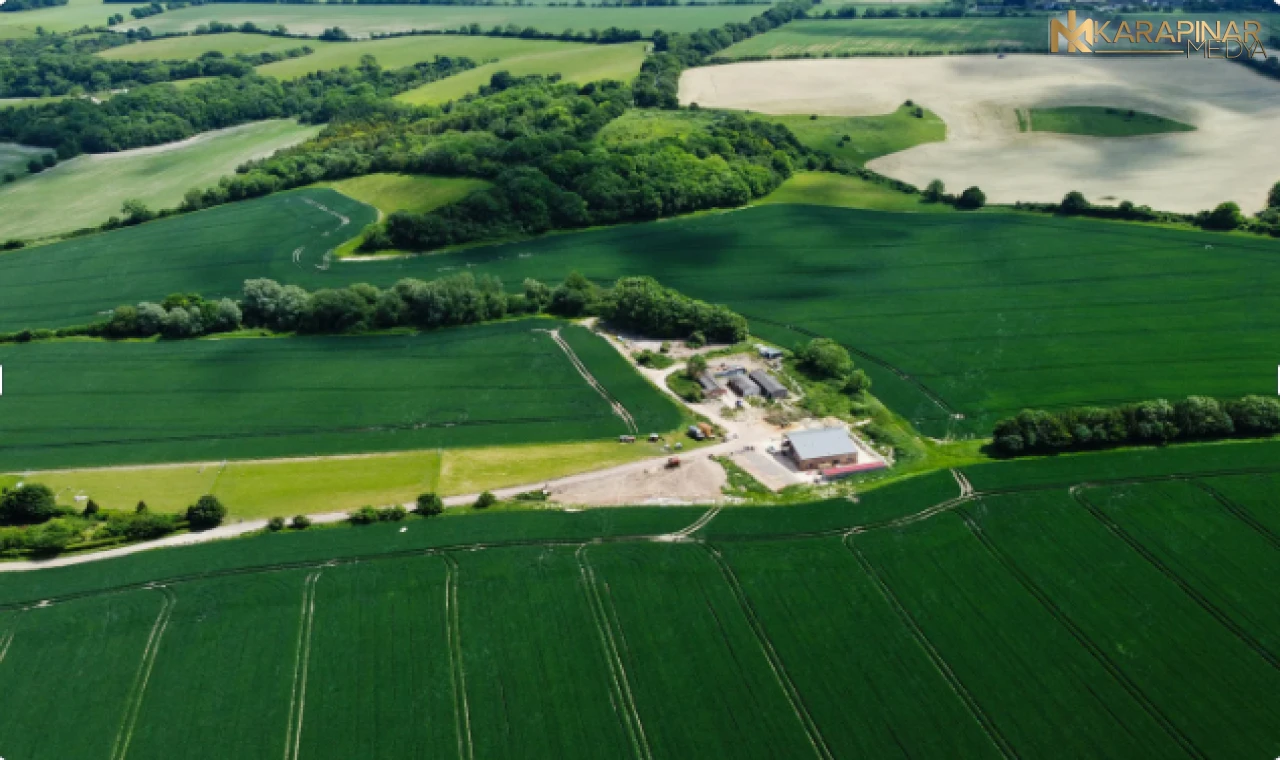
x=54, y=201
x=573, y=62
x=90, y=403
x=969, y=633
x=896, y=36
x=846, y=191
x=953, y=314
x=364, y=21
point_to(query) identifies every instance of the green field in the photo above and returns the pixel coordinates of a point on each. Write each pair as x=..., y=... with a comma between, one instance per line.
x=970, y=314
x=14, y=158
x=827, y=189
x=363, y=21
x=189, y=48
x=897, y=36
x=55, y=201
x=1097, y=121
x=124, y=403
x=418, y=193
x=573, y=62
x=970, y=634
x=868, y=136
x=61, y=18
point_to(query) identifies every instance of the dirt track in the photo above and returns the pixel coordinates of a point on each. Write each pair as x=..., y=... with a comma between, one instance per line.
x=1231, y=156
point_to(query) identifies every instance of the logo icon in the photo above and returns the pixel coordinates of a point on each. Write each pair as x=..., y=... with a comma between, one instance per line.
x=1079, y=36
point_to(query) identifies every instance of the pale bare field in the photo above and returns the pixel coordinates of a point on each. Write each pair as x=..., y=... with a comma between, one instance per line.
x=1232, y=155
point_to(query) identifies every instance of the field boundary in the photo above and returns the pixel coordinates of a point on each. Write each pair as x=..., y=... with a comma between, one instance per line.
x=624, y=699
x=1098, y=653
x=812, y=731
x=975, y=708
x=457, y=668
x=7, y=641
x=301, y=667
x=1223, y=618
x=138, y=691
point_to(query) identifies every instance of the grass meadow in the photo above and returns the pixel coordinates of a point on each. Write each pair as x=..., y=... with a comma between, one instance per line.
x=61, y=18
x=1097, y=121
x=189, y=48
x=972, y=633
x=389, y=193
x=846, y=191
x=363, y=21
x=14, y=158
x=55, y=200
x=858, y=139
x=93, y=404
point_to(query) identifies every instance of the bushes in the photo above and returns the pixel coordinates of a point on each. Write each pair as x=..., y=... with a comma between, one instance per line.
x=369, y=515
x=27, y=504
x=275, y=524
x=206, y=513
x=972, y=198
x=429, y=505
x=643, y=305
x=300, y=522
x=824, y=359
x=485, y=500
x=1147, y=422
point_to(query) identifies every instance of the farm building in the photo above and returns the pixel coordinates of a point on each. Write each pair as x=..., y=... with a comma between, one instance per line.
x=769, y=384
x=821, y=448
x=727, y=371
x=769, y=352
x=744, y=386
x=710, y=388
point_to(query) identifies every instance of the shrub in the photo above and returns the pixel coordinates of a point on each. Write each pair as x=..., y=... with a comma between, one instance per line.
x=1225, y=217
x=50, y=538
x=275, y=524
x=392, y=514
x=364, y=516
x=429, y=505
x=91, y=508
x=206, y=513
x=824, y=359
x=300, y=522
x=485, y=500
x=27, y=504
x=971, y=198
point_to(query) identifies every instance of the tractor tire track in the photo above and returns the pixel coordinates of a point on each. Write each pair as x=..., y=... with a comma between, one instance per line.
x=988, y=726
x=1081, y=637
x=1239, y=512
x=788, y=686
x=453, y=630
x=1200, y=599
x=301, y=668
x=617, y=406
x=138, y=690
x=624, y=699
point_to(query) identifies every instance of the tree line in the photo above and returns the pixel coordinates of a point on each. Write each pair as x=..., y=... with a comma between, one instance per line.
x=1195, y=418
x=658, y=84
x=32, y=522
x=26, y=5
x=634, y=303
x=158, y=114
x=1225, y=217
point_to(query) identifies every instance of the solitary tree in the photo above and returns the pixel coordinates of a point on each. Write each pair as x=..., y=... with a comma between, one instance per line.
x=971, y=198
x=300, y=522
x=27, y=504
x=429, y=504
x=696, y=365
x=1074, y=203
x=486, y=500
x=1273, y=198
x=206, y=513
x=824, y=358
x=934, y=191
x=1226, y=216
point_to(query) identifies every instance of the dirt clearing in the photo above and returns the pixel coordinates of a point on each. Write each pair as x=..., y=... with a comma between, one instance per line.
x=1230, y=156
x=698, y=480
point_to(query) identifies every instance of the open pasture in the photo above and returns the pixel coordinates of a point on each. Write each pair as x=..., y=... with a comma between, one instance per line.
x=56, y=200
x=969, y=634
x=366, y=20
x=60, y=18
x=894, y=36
x=191, y=47
x=14, y=158
x=89, y=403
x=978, y=98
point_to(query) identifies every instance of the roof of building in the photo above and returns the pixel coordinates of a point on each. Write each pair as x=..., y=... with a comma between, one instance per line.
x=821, y=443
x=708, y=383
x=768, y=351
x=744, y=385
x=768, y=382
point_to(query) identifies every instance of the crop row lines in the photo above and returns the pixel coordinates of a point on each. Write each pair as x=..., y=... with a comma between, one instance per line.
x=1082, y=638
x=138, y=690
x=1239, y=512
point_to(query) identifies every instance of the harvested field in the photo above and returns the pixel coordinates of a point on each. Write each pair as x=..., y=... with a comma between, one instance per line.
x=977, y=98
x=971, y=633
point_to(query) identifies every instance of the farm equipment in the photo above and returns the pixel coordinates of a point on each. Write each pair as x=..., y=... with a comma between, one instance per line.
x=626, y=439
x=673, y=463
